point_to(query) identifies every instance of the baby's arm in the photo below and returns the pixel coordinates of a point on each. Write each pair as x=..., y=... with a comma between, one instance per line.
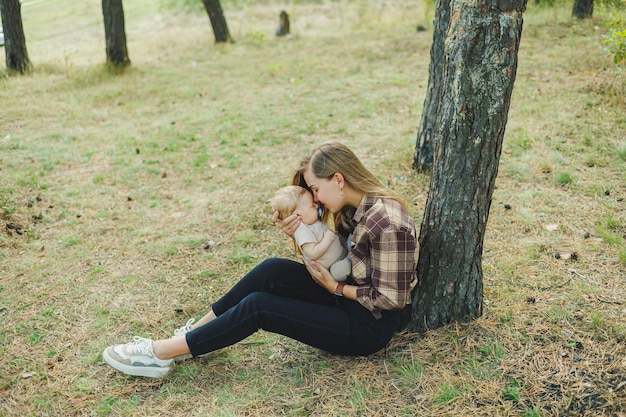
x=314, y=251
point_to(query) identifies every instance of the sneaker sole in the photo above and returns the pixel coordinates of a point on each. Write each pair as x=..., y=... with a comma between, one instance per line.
x=147, y=371
x=179, y=359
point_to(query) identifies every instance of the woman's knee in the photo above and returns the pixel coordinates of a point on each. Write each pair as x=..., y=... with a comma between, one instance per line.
x=260, y=278
x=258, y=305
x=278, y=272
x=274, y=264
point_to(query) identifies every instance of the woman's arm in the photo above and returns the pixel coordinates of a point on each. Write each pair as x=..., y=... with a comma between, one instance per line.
x=391, y=268
x=323, y=277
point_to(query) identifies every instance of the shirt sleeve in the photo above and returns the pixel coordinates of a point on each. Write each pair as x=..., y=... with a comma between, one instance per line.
x=304, y=234
x=392, y=268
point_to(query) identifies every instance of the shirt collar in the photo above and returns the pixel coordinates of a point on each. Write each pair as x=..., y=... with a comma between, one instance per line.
x=364, y=206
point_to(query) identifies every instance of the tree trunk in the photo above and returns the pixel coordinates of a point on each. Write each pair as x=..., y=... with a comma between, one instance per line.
x=583, y=9
x=14, y=39
x=115, y=33
x=423, y=156
x=479, y=71
x=218, y=21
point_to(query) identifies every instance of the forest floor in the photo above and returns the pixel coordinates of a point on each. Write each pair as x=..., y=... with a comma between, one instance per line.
x=130, y=202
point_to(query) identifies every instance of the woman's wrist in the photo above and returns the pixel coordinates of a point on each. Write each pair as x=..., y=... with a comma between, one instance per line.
x=339, y=289
x=347, y=291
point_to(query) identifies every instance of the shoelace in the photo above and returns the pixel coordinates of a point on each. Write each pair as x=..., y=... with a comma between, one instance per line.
x=185, y=329
x=141, y=345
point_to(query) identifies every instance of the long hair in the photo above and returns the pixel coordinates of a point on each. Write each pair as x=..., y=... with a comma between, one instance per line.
x=332, y=157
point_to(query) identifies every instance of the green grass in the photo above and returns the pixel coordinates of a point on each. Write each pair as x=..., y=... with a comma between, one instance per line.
x=512, y=391
x=142, y=197
x=563, y=178
x=447, y=394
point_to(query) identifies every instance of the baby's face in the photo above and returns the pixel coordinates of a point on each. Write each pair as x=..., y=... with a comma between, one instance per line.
x=307, y=209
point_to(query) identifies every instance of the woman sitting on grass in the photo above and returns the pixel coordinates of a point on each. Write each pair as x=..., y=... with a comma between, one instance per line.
x=302, y=300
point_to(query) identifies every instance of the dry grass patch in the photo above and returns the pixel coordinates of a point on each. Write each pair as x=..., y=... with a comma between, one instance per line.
x=129, y=202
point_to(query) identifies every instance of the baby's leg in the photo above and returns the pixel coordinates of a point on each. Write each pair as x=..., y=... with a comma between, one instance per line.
x=341, y=269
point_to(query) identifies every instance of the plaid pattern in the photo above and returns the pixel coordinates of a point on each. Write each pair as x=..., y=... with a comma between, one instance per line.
x=384, y=256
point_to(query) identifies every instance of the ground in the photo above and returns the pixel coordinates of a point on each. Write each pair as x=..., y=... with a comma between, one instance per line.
x=128, y=202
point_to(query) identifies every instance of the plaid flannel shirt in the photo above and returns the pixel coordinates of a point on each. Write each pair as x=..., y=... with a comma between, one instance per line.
x=384, y=255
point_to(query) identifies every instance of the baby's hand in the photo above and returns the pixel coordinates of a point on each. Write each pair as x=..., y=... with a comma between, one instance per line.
x=329, y=235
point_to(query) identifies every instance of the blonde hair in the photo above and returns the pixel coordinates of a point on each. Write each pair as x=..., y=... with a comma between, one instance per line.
x=285, y=200
x=332, y=157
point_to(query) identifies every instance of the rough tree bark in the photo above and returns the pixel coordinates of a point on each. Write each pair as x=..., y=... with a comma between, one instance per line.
x=115, y=33
x=583, y=9
x=480, y=65
x=14, y=40
x=218, y=21
x=423, y=156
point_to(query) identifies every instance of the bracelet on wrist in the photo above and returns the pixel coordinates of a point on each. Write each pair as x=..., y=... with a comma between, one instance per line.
x=339, y=289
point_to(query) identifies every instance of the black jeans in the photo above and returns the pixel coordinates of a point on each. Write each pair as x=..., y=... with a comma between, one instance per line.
x=280, y=296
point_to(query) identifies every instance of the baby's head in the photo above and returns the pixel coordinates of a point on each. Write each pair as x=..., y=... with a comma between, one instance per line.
x=293, y=198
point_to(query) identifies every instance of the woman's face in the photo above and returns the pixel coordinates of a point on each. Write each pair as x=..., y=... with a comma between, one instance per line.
x=325, y=191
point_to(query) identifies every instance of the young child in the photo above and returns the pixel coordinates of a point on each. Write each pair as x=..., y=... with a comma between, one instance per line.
x=313, y=237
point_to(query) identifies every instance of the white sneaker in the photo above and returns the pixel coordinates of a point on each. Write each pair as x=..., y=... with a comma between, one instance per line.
x=181, y=331
x=137, y=358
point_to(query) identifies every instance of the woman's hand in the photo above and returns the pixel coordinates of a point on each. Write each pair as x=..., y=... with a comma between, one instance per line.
x=289, y=224
x=320, y=274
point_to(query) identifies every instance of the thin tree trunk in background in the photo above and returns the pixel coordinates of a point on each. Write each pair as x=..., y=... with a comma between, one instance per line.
x=16, y=53
x=423, y=156
x=115, y=33
x=480, y=65
x=218, y=21
x=583, y=9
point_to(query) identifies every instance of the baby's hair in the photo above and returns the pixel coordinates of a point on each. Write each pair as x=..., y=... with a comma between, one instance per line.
x=285, y=200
